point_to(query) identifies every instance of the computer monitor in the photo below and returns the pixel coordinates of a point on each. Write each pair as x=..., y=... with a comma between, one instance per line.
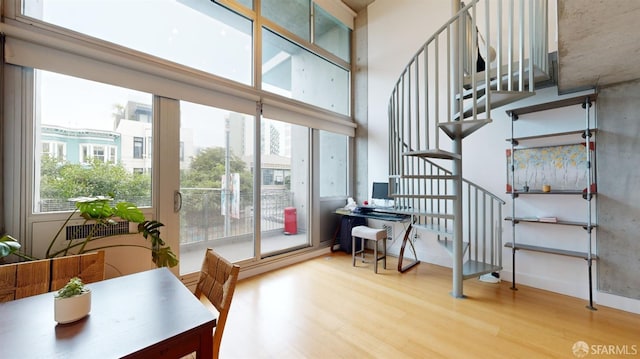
x=380, y=191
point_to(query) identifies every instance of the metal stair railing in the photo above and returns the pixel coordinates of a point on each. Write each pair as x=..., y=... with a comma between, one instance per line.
x=441, y=88
x=429, y=202
x=427, y=92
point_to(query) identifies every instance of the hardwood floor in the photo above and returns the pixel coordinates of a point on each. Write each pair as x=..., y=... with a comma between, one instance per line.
x=325, y=308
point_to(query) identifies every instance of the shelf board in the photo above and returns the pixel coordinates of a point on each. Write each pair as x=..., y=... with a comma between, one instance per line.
x=552, y=139
x=561, y=222
x=553, y=191
x=562, y=252
x=551, y=105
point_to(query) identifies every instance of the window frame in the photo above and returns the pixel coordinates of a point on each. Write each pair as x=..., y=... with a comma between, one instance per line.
x=59, y=150
x=100, y=61
x=138, y=147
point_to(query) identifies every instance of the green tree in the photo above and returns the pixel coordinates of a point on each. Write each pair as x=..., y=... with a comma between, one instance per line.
x=63, y=180
x=206, y=171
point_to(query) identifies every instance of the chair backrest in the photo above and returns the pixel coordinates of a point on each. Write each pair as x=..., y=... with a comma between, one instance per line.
x=24, y=279
x=217, y=282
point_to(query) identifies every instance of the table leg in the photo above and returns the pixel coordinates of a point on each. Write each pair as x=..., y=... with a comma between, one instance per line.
x=206, y=344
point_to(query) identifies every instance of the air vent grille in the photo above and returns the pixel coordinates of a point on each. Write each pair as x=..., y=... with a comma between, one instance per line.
x=83, y=230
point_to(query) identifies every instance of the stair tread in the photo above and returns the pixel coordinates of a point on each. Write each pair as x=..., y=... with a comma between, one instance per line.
x=434, y=153
x=464, y=128
x=437, y=228
x=448, y=245
x=473, y=268
x=498, y=99
x=538, y=75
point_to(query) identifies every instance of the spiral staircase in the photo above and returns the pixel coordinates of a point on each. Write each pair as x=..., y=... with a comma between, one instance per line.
x=489, y=54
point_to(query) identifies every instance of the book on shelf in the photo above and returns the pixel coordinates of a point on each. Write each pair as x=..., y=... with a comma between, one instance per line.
x=548, y=219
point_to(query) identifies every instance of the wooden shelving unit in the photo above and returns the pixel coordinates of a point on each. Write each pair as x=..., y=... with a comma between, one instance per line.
x=550, y=140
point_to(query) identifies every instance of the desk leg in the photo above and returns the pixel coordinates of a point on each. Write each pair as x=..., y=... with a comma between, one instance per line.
x=335, y=236
x=407, y=235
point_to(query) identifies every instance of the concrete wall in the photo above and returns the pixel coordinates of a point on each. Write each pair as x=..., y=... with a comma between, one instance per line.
x=360, y=105
x=395, y=31
x=618, y=151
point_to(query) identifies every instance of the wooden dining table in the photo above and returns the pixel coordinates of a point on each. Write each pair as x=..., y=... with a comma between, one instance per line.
x=149, y=314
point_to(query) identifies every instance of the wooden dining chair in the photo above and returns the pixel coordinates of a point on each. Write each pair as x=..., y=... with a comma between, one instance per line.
x=217, y=282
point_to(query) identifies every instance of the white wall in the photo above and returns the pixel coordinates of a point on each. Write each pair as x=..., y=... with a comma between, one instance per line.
x=396, y=29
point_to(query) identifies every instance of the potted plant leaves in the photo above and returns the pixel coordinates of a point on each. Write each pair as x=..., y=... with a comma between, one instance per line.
x=72, y=302
x=99, y=214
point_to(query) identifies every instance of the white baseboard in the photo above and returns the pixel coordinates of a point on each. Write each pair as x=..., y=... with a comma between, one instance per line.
x=257, y=269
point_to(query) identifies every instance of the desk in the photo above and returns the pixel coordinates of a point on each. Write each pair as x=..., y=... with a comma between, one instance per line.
x=388, y=216
x=144, y=315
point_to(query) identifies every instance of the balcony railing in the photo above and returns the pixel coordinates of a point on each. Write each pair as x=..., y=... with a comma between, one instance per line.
x=202, y=218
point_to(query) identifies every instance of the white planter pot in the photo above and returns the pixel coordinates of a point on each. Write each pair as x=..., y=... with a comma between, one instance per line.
x=67, y=310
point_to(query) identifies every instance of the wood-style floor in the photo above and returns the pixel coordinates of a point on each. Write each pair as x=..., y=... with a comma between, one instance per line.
x=325, y=308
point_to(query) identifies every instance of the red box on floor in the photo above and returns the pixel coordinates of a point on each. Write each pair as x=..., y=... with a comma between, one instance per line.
x=290, y=220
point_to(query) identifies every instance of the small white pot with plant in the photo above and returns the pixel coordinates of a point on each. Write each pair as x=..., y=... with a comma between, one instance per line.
x=72, y=302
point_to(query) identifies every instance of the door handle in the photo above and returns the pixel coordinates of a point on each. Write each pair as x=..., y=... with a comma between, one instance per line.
x=177, y=201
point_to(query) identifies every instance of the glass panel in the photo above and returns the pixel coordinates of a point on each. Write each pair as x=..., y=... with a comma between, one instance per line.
x=138, y=147
x=194, y=33
x=331, y=34
x=91, y=125
x=284, y=195
x=293, y=15
x=291, y=71
x=245, y=3
x=216, y=181
x=333, y=164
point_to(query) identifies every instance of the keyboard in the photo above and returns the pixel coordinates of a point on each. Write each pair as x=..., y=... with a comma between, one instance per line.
x=385, y=216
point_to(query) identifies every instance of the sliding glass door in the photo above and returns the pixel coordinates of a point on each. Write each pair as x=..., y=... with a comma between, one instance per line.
x=216, y=183
x=284, y=196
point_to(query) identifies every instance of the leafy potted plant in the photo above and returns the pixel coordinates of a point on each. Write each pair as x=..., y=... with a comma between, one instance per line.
x=72, y=302
x=100, y=214
x=8, y=246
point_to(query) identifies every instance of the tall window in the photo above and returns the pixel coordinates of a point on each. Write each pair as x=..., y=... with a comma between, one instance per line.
x=87, y=119
x=331, y=34
x=200, y=34
x=189, y=66
x=291, y=71
x=138, y=147
x=208, y=36
x=293, y=15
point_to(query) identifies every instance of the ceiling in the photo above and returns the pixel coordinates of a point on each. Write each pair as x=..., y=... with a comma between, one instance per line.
x=598, y=43
x=357, y=5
